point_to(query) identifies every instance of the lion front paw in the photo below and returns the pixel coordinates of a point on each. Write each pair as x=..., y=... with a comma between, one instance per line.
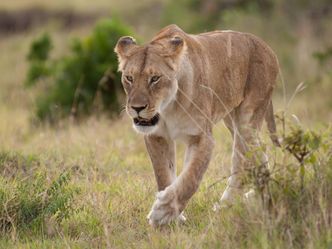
x=165, y=209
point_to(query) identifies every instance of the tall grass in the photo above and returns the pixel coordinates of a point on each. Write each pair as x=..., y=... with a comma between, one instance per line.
x=292, y=208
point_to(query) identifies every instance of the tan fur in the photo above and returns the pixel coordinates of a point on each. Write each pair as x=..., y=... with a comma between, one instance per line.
x=204, y=78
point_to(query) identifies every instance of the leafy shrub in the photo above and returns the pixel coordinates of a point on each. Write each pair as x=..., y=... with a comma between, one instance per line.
x=39, y=52
x=297, y=194
x=72, y=80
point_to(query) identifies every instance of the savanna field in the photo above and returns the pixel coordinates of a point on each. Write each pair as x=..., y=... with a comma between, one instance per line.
x=85, y=180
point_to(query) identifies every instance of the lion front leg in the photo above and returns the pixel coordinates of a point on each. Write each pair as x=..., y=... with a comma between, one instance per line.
x=162, y=155
x=172, y=201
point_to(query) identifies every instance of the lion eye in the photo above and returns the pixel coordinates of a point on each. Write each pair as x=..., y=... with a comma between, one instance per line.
x=129, y=79
x=154, y=79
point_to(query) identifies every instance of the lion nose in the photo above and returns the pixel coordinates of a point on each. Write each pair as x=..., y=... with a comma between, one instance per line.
x=139, y=108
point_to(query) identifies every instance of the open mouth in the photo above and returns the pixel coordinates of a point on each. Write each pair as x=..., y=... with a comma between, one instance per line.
x=146, y=122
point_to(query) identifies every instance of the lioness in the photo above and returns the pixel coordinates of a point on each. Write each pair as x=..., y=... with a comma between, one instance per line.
x=178, y=86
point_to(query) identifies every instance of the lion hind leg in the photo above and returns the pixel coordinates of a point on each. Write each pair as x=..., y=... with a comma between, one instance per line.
x=246, y=123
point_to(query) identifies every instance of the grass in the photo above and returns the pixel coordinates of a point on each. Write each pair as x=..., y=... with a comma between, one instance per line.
x=115, y=189
x=111, y=187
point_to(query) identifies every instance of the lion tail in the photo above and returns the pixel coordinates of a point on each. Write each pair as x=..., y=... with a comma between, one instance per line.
x=271, y=124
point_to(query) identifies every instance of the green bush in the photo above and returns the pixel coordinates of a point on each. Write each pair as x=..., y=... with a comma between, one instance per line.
x=296, y=193
x=75, y=80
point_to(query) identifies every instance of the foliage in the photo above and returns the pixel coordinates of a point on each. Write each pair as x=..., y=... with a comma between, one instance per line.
x=40, y=49
x=39, y=53
x=300, y=187
x=71, y=82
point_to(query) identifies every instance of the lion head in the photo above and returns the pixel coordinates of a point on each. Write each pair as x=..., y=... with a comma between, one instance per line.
x=149, y=77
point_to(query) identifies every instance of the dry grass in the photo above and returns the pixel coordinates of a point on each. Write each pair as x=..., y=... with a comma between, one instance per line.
x=117, y=189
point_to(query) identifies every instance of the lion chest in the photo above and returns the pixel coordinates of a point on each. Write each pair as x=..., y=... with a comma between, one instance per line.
x=179, y=126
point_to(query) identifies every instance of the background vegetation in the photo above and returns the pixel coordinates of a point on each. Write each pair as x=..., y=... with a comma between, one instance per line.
x=89, y=184
x=74, y=83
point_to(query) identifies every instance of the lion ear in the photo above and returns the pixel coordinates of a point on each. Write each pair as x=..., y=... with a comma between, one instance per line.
x=176, y=47
x=123, y=47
